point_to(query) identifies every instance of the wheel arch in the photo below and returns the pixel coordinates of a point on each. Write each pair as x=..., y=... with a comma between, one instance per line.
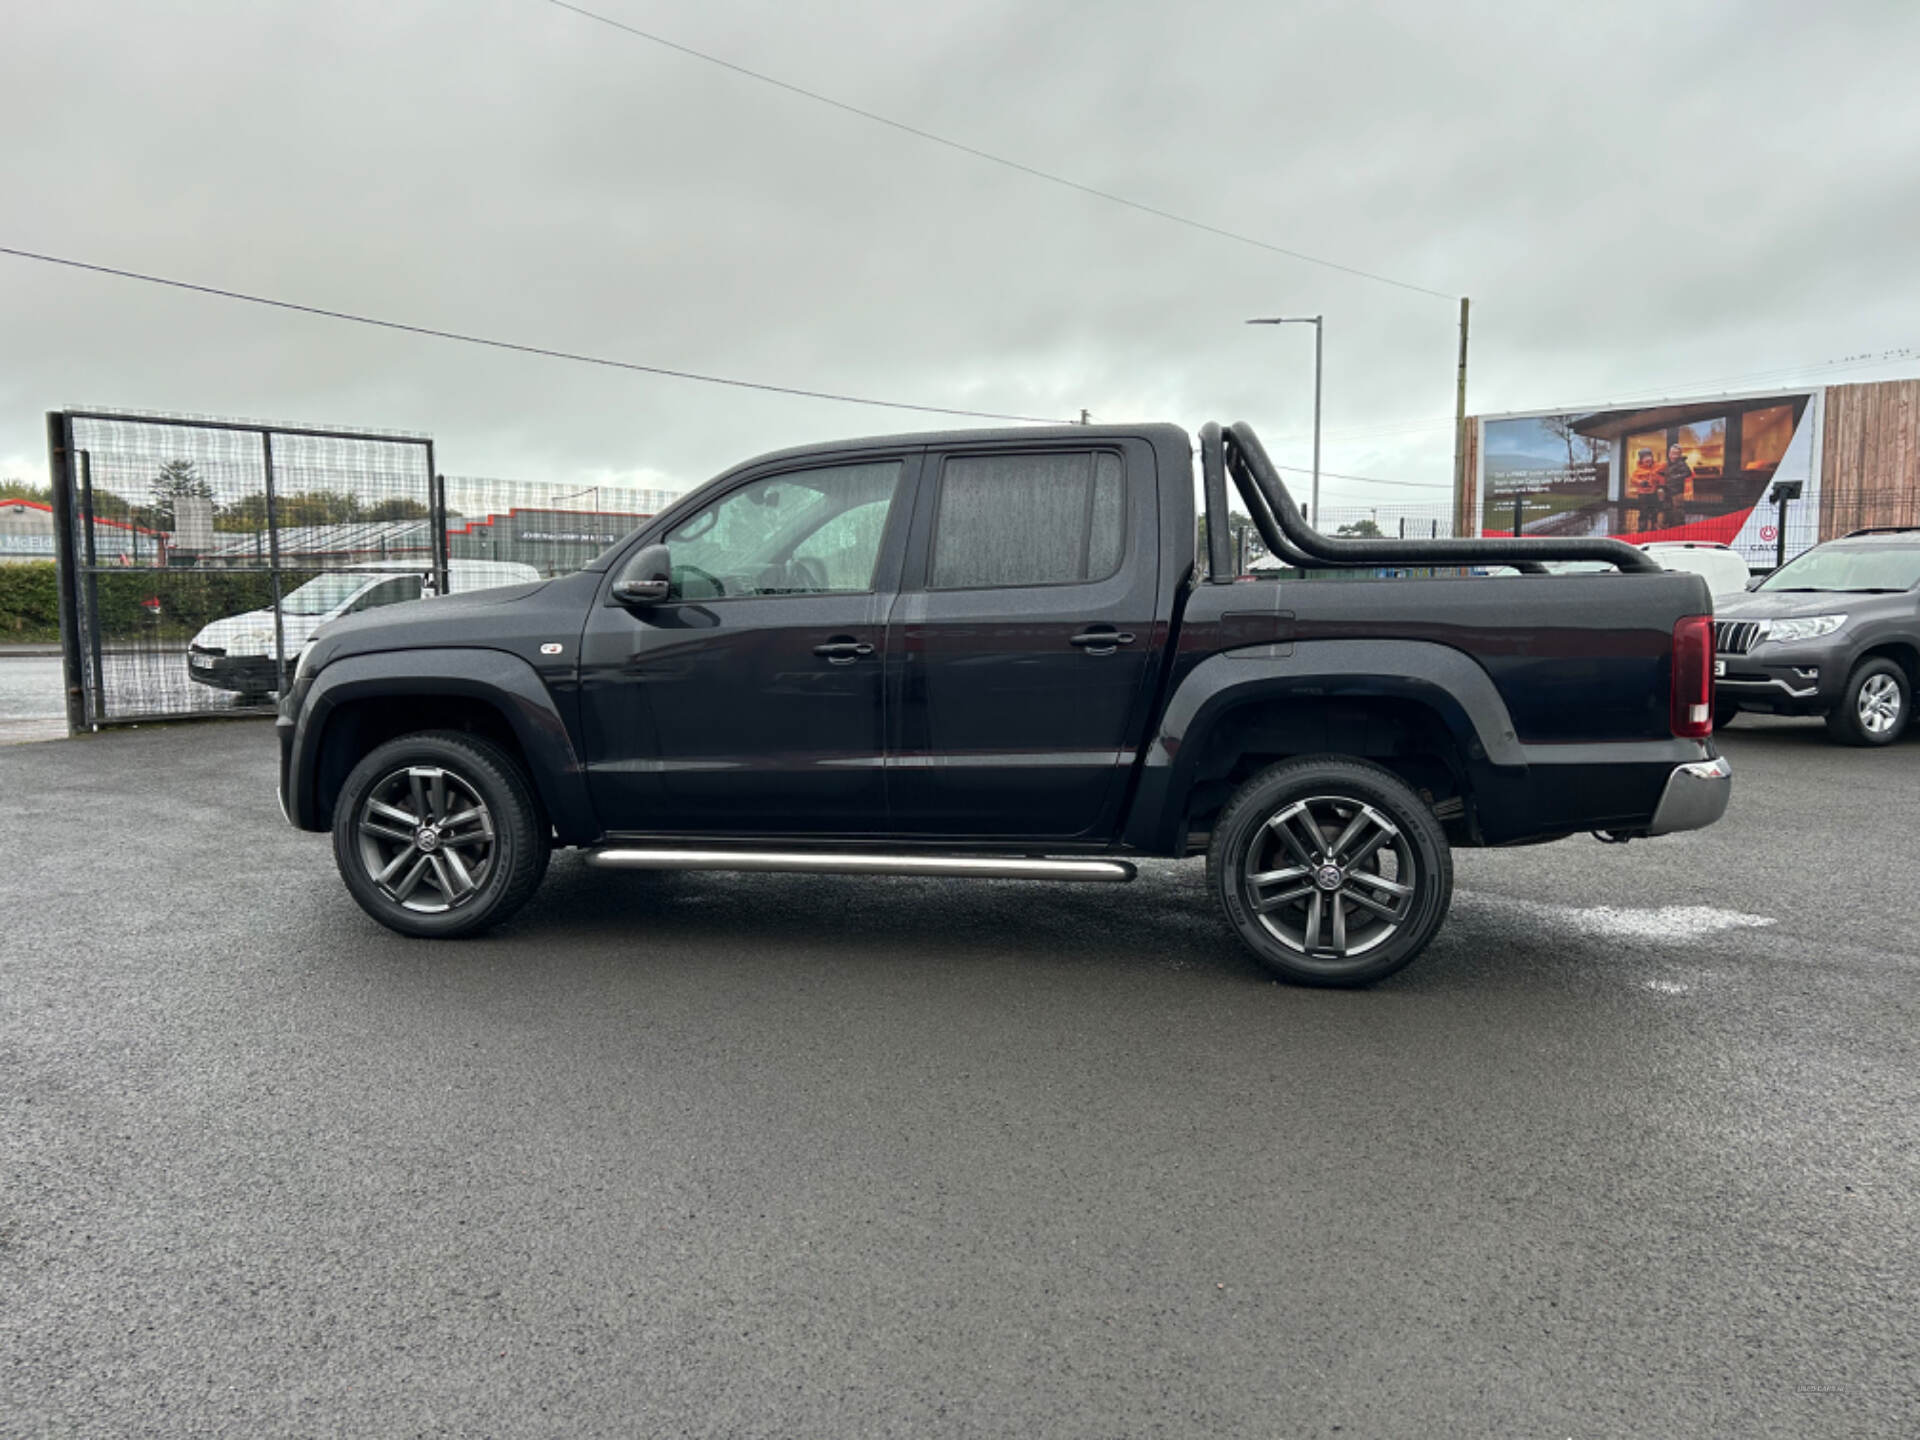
x=1424, y=711
x=364, y=700
x=1903, y=653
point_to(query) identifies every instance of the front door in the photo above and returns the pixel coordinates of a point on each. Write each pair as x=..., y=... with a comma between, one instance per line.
x=1023, y=641
x=749, y=702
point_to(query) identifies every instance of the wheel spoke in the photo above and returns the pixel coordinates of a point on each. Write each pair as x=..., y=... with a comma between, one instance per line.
x=1312, y=936
x=1367, y=902
x=437, y=793
x=416, y=783
x=442, y=878
x=475, y=813
x=393, y=866
x=1380, y=882
x=407, y=886
x=1281, y=825
x=1339, y=923
x=1274, y=877
x=397, y=815
x=1274, y=902
x=1362, y=817
x=387, y=832
x=458, y=869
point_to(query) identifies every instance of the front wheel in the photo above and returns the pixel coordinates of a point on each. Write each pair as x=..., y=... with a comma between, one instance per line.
x=1874, y=707
x=439, y=834
x=1331, y=871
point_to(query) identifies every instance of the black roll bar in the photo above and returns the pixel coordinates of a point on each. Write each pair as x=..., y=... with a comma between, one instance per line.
x=1289, y=536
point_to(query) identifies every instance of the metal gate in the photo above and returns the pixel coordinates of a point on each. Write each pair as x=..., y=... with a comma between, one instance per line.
x=197, y=556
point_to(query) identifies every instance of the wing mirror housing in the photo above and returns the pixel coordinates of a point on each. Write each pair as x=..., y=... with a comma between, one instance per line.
x=648, y=578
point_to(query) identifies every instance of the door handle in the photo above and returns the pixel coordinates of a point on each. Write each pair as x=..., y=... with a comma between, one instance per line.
x=1101, y=642
x=843, y=652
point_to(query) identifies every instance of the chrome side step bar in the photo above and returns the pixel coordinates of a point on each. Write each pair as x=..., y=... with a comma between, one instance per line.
x=856, y=862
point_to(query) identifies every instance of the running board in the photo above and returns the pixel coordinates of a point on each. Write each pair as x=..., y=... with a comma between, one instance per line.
x=855, y=862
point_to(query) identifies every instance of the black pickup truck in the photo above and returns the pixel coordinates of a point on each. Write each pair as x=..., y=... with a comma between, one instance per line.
x=995, y=654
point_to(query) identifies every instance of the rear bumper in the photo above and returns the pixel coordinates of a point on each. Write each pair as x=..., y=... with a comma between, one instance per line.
x=1696, y=795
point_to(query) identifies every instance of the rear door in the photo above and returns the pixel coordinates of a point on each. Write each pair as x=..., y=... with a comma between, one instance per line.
x=1021, y=641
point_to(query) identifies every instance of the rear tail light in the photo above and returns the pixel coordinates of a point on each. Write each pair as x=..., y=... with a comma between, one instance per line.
x=1693, y=677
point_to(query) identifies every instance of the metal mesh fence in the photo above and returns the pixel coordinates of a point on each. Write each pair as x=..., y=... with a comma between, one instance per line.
x=201, y=550
x=552, y=528
x=200, y=556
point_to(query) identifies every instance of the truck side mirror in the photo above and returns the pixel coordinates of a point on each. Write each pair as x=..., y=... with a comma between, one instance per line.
x=648, y=578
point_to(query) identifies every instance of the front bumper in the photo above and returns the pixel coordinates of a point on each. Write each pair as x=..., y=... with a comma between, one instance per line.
x=1802, y=679
x=1695, y=796
x=245, y=674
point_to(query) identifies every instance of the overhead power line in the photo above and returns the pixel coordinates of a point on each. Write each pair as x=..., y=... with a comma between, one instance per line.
x=965, y=149
x=525, y=349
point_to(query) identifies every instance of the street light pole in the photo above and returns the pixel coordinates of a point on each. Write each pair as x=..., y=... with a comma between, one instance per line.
x=1319, y=334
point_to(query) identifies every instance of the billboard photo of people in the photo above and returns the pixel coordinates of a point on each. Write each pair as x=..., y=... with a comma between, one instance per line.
x=1677, y=470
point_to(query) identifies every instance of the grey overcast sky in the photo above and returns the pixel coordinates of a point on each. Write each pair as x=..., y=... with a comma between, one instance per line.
x=1641, y=198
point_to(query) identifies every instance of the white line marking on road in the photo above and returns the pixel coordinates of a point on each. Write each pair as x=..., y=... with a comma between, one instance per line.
x=1672, y=924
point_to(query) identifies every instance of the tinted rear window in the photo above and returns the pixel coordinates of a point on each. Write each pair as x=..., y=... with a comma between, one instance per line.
x=1007, y=520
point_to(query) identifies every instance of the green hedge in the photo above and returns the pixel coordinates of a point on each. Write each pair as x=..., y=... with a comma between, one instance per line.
x=30, y=600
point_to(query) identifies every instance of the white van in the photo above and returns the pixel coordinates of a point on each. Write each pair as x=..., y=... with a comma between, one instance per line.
x=237, y=653
x=1721, y=566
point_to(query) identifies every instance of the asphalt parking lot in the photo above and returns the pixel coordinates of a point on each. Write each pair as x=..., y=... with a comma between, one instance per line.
x=1632, y=1151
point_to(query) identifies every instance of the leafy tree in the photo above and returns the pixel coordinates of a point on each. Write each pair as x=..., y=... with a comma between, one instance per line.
x=398, y=508
x=177, y=480
x=1243, y=540
x=1359, y=530
x=23, y=490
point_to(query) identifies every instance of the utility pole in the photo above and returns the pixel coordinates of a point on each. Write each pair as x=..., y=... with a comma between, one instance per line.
x=1085, y=418
x=1461, y=514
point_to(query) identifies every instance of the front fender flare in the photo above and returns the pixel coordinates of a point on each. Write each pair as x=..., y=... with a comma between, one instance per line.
x=494, y=677
x=1444, y=680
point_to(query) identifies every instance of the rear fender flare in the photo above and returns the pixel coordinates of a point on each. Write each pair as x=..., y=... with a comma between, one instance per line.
x=504, y=681
x=1444, y=680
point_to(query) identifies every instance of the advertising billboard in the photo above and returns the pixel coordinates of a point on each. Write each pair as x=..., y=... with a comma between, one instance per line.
x=1675, y=470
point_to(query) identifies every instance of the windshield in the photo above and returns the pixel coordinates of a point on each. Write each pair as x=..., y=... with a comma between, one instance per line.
x=1850, y=567
x=324, y=593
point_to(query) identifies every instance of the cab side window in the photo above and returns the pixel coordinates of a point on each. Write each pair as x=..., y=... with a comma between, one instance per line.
x=1014, y=520
x=811, y=532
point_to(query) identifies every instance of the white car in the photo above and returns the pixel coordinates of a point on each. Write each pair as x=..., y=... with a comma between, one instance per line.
x=237, y=653
x=1719, y=565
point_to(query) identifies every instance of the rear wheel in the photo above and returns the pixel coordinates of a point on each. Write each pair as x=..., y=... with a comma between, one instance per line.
x=1873, y=709
x=439, y=834
x=1331, y=871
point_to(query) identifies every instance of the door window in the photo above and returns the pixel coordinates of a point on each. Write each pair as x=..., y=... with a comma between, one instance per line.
x=1011, y=520
x=812, y=532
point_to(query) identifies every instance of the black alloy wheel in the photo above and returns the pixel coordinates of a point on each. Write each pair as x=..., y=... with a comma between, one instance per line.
x=1331, y=871
x=439, y=834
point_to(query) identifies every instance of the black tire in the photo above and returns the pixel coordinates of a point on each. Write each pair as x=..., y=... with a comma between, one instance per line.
x=1278, y=930
x=501, y=872
x=1875, y=706
x=1725, y=712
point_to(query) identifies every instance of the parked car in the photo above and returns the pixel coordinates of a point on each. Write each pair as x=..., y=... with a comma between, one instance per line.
x=992, y=654
x=1833, y=632
x=1723, y=568
x=238, y=652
